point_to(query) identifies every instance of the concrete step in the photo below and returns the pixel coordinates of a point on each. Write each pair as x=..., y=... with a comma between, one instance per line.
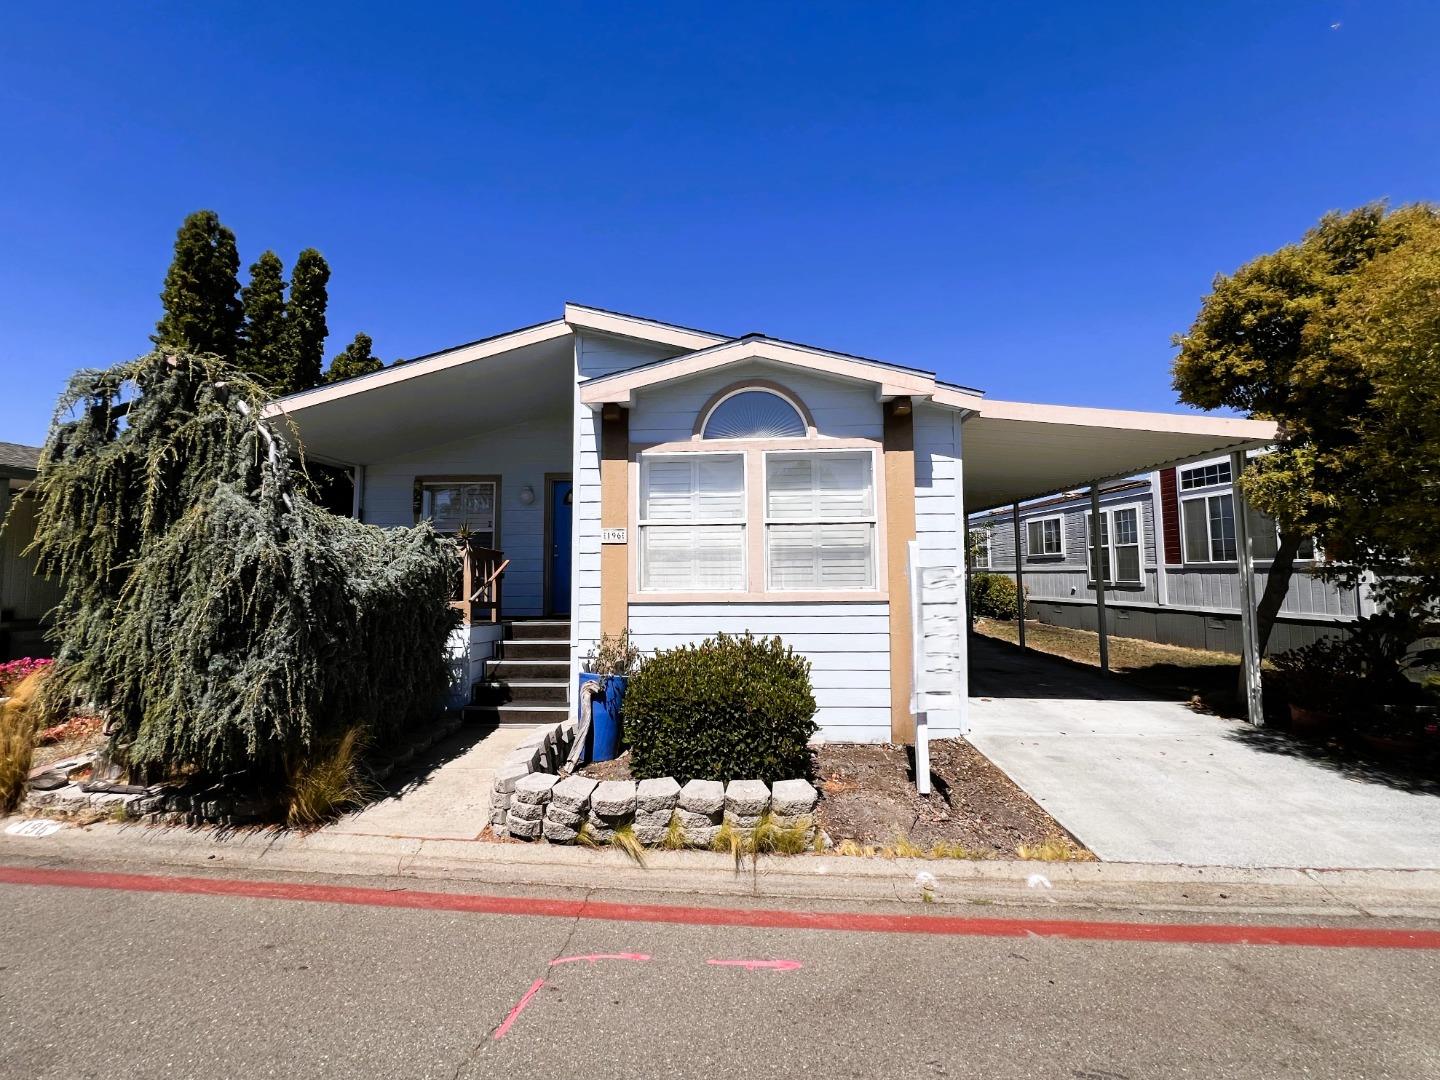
x=535, y=649
x=508, y=670
x=521, y=691
x=544, y=629
x=516, y=714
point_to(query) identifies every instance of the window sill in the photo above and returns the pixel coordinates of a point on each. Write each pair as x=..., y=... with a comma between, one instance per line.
x=857, y=596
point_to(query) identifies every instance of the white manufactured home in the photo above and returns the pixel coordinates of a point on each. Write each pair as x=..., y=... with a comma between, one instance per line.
x=616, y=473
x=1170, y=554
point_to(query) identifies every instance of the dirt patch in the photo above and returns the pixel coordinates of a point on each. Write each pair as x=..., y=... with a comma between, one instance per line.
x=867, y=795
x=615, y=769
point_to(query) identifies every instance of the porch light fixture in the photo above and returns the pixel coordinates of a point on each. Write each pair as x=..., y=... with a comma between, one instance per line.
x=527, y=495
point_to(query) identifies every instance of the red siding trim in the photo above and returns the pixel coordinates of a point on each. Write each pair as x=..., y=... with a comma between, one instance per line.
x=1170, y=516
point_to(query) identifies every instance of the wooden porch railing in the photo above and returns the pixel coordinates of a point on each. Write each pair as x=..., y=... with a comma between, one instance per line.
x=477, y=596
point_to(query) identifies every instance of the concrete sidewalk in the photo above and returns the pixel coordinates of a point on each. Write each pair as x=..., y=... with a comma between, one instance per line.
x=1143, y=780
x=704, y=877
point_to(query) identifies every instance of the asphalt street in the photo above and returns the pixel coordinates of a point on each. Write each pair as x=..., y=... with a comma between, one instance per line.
x=110, y=982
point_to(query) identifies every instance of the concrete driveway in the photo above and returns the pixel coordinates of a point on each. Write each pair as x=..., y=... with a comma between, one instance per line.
x=1144, y=780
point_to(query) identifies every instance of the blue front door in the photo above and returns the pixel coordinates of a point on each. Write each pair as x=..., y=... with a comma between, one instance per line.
x=561, y=515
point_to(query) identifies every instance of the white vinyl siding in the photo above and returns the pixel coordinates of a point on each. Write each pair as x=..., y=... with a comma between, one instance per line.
x=692, y=523
x=820, y=521
x=1044, y=536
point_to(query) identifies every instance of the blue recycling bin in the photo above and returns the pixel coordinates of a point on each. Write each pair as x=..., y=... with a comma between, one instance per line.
x=605, y=727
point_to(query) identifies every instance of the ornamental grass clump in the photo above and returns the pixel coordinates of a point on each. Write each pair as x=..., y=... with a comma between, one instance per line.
x=222, y=620
x=728, y=708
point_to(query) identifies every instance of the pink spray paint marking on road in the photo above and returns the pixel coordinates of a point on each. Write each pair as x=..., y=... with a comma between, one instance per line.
x=518, y=1009
x=592, y=957
x=754, y=965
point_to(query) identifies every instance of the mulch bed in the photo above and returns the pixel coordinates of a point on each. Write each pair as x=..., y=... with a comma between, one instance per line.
x=867, y=795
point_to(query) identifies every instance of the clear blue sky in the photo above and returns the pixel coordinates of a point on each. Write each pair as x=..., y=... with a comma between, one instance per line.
x=1026, y=198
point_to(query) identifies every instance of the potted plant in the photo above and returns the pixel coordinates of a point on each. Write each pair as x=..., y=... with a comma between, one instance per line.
x=608, y=668
x=1321, y=683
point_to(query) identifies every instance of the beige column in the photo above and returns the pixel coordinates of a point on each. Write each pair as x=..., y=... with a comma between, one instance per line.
x=614, y=514
x=899, y=531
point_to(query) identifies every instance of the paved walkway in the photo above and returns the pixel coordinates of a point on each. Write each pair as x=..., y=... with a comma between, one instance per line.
x=1143, y=780
x=449, y=798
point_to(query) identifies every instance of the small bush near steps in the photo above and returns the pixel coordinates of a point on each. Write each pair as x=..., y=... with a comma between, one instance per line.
x=728, y=708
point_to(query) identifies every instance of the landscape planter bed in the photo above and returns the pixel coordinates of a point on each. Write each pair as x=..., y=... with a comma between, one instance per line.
x=531, y=801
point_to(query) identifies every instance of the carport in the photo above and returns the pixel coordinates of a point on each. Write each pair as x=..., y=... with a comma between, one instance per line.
x=1015, y=452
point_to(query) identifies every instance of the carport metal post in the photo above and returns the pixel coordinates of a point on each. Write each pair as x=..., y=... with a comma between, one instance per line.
x=1097, y=571
x=1245, y=559
x=1019, y=575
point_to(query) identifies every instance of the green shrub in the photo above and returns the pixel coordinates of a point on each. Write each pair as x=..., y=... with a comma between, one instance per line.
x=993, y=596
x=728, y=708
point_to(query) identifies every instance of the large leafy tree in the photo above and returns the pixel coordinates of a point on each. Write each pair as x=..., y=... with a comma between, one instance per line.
x=262, y=345
x=357, y=359
x=1313, y=337
x=202, y=310
x=305, y=328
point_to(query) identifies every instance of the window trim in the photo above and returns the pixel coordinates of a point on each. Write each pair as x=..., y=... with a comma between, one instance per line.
x=975, y=563
x=1206, y=495
x=873, y=519
x=442, y=480
x=752, y=450
x=643, y=461
x=1110, y=509
x=1051, y=556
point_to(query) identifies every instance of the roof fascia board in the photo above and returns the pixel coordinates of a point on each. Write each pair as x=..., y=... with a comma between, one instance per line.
x=632, y=326
x=1233, y=428
x=414, y=369
x=620, y=388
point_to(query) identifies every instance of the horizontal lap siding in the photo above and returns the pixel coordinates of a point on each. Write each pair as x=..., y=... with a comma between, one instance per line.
x=520, y=456
x=848, y=646
x=1198, y=587
x=595, y=355
x=840, y=409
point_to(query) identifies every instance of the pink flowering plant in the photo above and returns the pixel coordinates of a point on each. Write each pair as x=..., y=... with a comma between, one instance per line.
x=14, y=672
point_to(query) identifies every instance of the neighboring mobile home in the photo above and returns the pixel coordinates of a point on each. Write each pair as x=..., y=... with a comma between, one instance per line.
x=616, y=473
x=25, y=596
x=1171, y=566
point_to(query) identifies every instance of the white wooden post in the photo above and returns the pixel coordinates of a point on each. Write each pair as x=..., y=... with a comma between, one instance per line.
x=1019, y=575
x=917, y=673
x=1249, y=632
x=1097, y=568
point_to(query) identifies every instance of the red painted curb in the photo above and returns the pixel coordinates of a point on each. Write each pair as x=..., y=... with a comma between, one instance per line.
x=853, y=922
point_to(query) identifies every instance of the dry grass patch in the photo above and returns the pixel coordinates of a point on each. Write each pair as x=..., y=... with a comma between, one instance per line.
x=328, y=785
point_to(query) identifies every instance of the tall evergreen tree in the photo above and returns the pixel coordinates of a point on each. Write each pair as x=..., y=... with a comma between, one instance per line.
x=262, y=343
x=305, y=328
x=202, y=310
x=357, y=359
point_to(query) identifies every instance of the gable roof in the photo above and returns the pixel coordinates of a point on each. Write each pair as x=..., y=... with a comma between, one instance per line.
x=890, y=380
x=19, y=461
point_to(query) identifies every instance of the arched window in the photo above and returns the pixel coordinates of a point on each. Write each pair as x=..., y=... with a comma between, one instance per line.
x=754, y=414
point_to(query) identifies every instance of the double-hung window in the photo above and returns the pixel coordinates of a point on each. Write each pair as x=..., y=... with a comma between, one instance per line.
x=692, y=523
x=980, y=549
x=1044, y=536
x=1209, y=528
x=820, y=521
x=1121, y=545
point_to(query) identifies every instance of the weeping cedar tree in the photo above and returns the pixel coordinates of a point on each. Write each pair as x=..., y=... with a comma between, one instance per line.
x=202, y=310
x=224, y=621
x=357, y=359
x=262, y=344
x=1337, y=338
x=305, y=328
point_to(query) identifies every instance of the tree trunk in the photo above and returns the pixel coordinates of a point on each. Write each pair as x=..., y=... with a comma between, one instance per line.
x=1277, y=584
